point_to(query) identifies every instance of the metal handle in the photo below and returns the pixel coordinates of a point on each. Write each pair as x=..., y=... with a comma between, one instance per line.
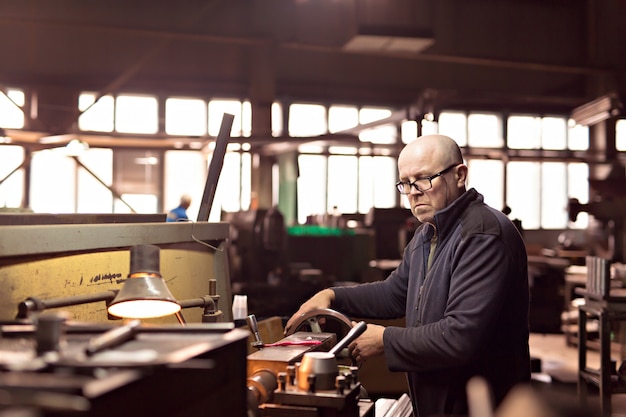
x=355, y=332
x=254, y=328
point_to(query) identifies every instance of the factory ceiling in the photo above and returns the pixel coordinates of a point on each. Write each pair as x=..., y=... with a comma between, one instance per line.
x=543, y=56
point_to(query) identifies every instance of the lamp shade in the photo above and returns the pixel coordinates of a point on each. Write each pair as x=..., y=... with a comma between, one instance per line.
x=145, y=293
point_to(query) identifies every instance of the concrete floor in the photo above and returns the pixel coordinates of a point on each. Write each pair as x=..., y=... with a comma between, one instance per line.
x=556, y=384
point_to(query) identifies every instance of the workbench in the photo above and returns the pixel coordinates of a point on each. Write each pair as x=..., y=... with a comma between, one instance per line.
x=607, y=309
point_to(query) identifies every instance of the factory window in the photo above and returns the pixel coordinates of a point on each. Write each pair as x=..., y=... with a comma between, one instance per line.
x=343, y=189
x=185, y=116
x=484, y=130
x=11, y=113
x=577, y=137
x=532, y=132
x=577, y=180
x=454, y=125
x=383, y=134
x=378, y=175
x=537, y=191
x=91, y=195
x=136, y=175
x=311, y=187
x=95, y=115
x=620, y=135
x=52, y=193
x=342, y=118
x=348, y=180
x=277, y=119
x=307, y=120
x=487, y=176
x=136, y=114
x=524, y=192
x=11, y=178
x=184, y=173
x=408, y=131
x=242, y=122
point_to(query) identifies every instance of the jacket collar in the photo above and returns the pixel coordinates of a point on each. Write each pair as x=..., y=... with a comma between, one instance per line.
x=447, y=218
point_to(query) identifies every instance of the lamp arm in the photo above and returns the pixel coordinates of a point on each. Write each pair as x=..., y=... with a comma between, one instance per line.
x=33, y=304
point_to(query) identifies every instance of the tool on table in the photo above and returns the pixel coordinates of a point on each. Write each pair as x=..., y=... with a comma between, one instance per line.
x=112, y=338
x=254, y=328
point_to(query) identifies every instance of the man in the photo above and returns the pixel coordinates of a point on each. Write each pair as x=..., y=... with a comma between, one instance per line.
x=180, y=212
x=462, y=287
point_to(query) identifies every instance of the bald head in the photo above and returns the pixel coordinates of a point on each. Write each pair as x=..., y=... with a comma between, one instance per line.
x=439, y=149
x=438, y=158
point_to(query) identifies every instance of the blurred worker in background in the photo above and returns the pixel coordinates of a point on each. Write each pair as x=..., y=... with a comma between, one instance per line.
x=462, y=287
x=180, y=212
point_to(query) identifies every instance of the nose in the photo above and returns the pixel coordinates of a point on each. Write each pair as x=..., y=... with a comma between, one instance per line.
x=415, y=191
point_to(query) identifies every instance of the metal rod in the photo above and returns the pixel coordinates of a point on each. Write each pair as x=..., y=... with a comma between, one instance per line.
x=215, y=167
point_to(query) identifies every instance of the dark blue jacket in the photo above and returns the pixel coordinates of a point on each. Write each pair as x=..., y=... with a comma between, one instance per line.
x=466, y=316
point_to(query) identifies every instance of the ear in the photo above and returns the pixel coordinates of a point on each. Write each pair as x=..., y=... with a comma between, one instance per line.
x=461, y=175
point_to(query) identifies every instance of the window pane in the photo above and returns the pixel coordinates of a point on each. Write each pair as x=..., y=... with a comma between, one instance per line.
x=553, y=195
x=342, y=189
x=373, y=114
x=185, y=117
x=228, y=192
x=384, y=182
x=553, y=133
x=137, y=171
x=487, y=176
x=12, y=116
x=98, y=117
x=311, y=186
x=93, y=197
x=342, y=118
x=578, y=137
x=141, y=203
x=408, y=131
x=377, y=179
x=246, y=118
x=277, y=119
x=484, y=130
x=217, y=108
x=454, y=125
x=307, y=120
x=429, y=127
x=578, y=188
x=524, y=132
x=136, y=114
x=246, y=181
x=386, y=134
x=185, y=173
x=52, y=193
x=12, y=189
x=620, y=135
x=366, y=183
x=523, y=192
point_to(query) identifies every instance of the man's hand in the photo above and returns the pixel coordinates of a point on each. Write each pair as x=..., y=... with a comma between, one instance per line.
x=322, y=299
x=369, y=344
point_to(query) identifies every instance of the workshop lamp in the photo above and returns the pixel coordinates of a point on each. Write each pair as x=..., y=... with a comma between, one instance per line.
x=145, y=293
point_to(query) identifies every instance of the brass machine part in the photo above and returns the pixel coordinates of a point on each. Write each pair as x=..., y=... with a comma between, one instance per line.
x=266, y=363
x=276, y=359
x=274, y=389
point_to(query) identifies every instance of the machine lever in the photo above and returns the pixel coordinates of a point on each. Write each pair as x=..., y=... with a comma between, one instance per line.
x=254, y=328
x=112, y=338
x=354, y=332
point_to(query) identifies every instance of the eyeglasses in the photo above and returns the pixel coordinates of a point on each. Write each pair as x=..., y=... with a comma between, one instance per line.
x=421, y=184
